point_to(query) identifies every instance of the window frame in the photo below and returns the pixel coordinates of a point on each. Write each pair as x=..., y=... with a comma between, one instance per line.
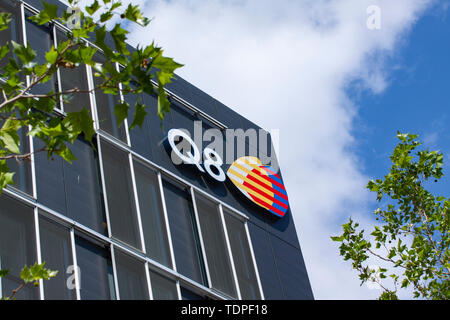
x=75, y=227
x=133, y=197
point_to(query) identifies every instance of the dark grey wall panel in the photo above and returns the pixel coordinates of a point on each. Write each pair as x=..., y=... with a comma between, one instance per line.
x=268, y=272
x=17, y=246
x=50, y=180
x=72, y=189
x=291, y=270
x=281, y=268
x=276, y=246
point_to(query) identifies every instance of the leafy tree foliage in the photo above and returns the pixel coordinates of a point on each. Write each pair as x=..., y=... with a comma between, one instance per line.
x=30, y=275
x=145, y=69
x=413, y=234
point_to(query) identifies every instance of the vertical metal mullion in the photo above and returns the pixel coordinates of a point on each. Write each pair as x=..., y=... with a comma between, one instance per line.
x=24, y=35
x=149, y=285
x=200, y=235
x=38, y=249
x=230, y=253
x=166, y=220
x=113, y=262
x=58, y=72
x=255, y=266
x=102, y=175
x=1, y=290
x=177, y=284
x=33, y=165
x=136, y=200
x=122, y=99
x=75, y=264
x=92, y=97
x=30, y=138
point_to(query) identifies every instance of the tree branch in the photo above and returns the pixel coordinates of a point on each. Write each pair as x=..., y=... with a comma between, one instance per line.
x=22, y=157
x=23, y=93
x=14, y=292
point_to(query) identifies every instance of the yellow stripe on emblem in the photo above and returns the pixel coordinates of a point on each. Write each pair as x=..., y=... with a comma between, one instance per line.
x=255, y=194
x=253, y=174
x=256, y=185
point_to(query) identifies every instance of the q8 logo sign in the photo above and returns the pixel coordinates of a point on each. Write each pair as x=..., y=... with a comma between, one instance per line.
x=259, y=183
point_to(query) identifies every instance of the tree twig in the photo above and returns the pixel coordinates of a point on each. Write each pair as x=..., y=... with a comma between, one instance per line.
x=14, y=292
x=22, y=156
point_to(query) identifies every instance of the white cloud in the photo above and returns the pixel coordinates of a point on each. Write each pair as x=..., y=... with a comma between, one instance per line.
x=286, y=64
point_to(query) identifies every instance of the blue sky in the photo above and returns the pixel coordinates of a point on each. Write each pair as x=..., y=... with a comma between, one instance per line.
x=337, y=91
x=416, y=100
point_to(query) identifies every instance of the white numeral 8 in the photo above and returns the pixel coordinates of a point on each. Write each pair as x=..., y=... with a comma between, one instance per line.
x=212, y=158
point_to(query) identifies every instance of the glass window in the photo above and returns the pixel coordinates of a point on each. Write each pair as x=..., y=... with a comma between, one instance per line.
x=74, y=78
x=105, y=107
x=131, y=277
x=72, y=189
x=219, y=265
x=152, y=215
x=83, y=187
x=183, y=229
x=14, y=32
x=22, y=178
x=41, y=40
x=242, y=258
x=119, y=191
x=163, y=288
x=141, y=138
x=17, y=246
x=96, y=275
x=22, y=168
x=187, y=294
x=56, y=251
x=50, y=179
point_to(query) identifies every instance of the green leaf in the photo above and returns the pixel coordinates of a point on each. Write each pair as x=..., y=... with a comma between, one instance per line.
x=139, y=115
x=51, y=55
x=36, y=272
x=92, y=8
x=106, y=16
x=45, y=104
x=163, y=102
x=133, y=13
x=3, y=273
x=9, y=135
x=5, y=19
x=116, y=5
x=80, y=122
x=165, y=64
x=119, y=37
x=11, y=141
x=388, y=295
x=405, y=283
x=100, y=34
x=46, y=15
x=66, y=154
x=4, y=51
x=121, y=112
x=6, y=178
x=54, y=131
x=338, y=239
x=11, y=124
x=25, y=54
x=86, y=54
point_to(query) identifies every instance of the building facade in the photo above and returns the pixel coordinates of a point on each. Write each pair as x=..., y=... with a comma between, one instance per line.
x=126, y=221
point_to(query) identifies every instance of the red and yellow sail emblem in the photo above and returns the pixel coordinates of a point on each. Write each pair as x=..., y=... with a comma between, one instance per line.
x=260, y=184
